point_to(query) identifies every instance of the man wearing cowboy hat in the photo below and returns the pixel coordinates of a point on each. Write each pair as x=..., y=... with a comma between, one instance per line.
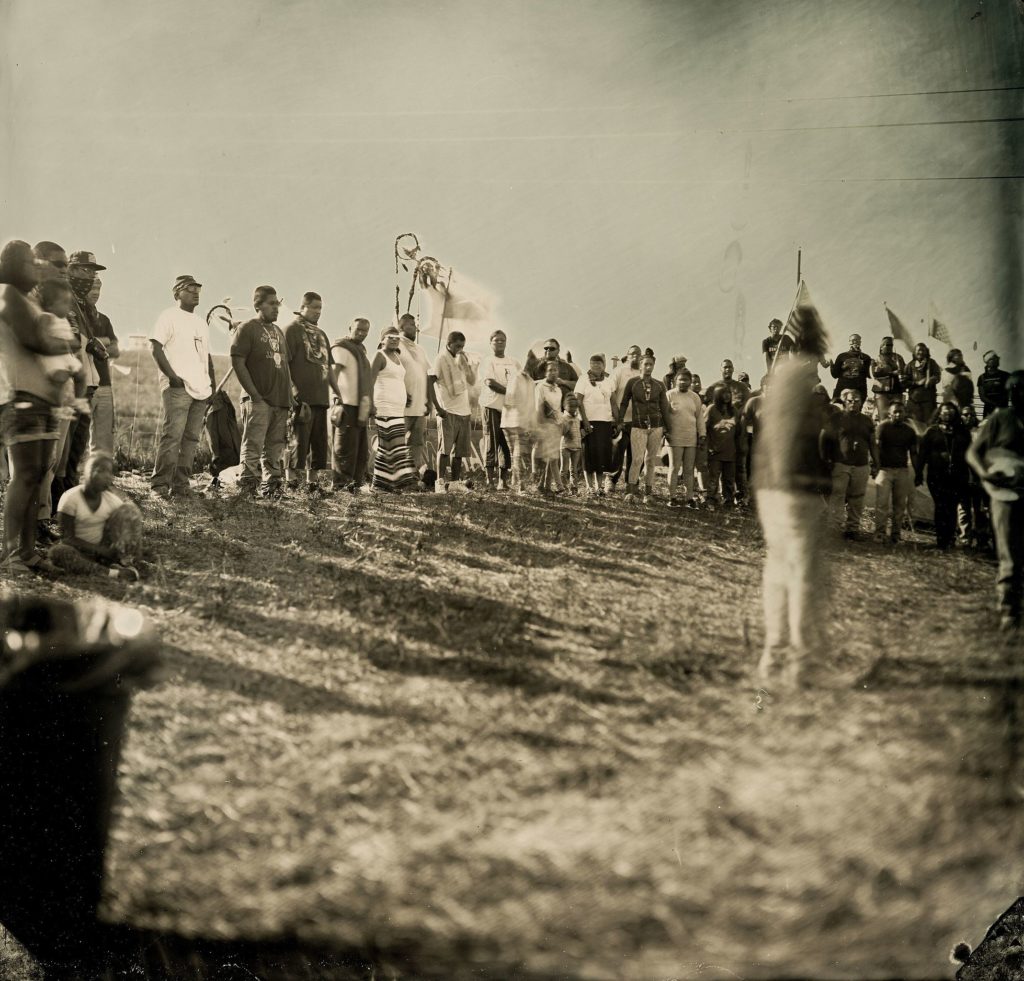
x=180, y=342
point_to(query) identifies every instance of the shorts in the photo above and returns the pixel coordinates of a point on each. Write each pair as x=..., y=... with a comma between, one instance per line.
x=27, y=419
x=454, y=435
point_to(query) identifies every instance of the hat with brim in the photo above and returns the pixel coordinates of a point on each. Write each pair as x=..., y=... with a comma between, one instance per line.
x=183, y=282
x=85, y=260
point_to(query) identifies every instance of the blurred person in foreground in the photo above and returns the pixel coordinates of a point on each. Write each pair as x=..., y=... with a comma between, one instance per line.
x=791, y=477
x=180, y=345
x=997, y=456
x=29, y=397
x=259, y=357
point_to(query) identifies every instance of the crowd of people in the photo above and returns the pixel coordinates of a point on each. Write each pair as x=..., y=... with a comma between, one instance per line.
x=312, y=408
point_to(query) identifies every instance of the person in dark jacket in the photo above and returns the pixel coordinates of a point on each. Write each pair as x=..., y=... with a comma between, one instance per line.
x=649, y=401
x=942, y=460
x=855, y=457
x=726, y=440
x=992, y=385
x=889, y=371
x=851, y=370
x=957, y=383
x=897, y=447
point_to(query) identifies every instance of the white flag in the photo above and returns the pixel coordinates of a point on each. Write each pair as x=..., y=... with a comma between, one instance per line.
x=457, y=303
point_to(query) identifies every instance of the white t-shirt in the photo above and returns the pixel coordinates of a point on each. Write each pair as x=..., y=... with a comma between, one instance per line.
x=416, y=362
x=622, y=376
x=456, y=402
x=596, y=398
x=686, y=423
x=88, y=523
x=499, y=370
x=347, y=367
x=185, y=338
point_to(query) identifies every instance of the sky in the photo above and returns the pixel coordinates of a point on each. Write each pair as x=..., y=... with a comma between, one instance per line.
x=614, y=171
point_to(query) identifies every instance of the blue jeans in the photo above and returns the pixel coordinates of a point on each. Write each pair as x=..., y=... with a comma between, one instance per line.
x=181, y=425
x=264, y=443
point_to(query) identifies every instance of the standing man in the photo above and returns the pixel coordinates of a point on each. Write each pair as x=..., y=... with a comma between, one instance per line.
x=851, y=370
x=855, y=457
x=309, y=364
x=997, y=456
x=416, y=362
x=350, y=445
x=567, y=374
x=897, y=449
x=105, y=350
x=651, y=408
x=448, y=389
x=992, y=385
x=770, y=345
x=82, y=269
x=180, y=342
x=258, y=355
x=495, y=373
x=740, y=394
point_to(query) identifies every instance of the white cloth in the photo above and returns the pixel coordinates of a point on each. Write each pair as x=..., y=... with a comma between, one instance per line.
x=185, y=338
x=622, y=376
x=389, y=389
x=457, y=400
x=416, y=362
x=348, y=374
x=500, y=370
x=88, y=523
x=687, y=420
x=597, y=398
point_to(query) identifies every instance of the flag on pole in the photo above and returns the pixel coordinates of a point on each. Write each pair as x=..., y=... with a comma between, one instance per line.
x=936, y=328
x=899, y=330
x=804, y=331
x=455, y=302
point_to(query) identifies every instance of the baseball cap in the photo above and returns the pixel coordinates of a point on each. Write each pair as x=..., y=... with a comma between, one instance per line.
x=182, y=282
x=87, y=259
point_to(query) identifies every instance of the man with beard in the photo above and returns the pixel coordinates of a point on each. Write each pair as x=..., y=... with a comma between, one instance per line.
x=309, y=363
x=258, y=357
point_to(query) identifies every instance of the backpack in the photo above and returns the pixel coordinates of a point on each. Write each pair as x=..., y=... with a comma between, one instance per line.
x=225, y=437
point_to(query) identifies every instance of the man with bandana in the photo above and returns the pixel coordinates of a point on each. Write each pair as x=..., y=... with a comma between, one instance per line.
x=259, y=357
x=309, y=362
x=181, y=349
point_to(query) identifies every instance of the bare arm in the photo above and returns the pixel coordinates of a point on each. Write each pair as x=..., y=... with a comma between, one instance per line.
x=164, y=365
x=67, y=535
x=245, y=379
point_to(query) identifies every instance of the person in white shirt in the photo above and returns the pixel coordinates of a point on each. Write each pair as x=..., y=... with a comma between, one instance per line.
x=685, y=429
x=448, y=390
x=596, y=392
x=416, y=362
x=495, y=373
x=180, y=341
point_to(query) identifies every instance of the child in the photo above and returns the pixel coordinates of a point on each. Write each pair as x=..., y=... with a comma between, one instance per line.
x=55, y=299
x=548, y=395
x=572, y=445
x=98, y=529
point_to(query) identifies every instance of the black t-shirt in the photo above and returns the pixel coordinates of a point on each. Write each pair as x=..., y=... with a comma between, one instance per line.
x=897, y=442
x=262, y=345
x=309, y=359
x=106, y=330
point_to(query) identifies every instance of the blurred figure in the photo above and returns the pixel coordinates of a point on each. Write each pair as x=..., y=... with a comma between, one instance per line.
x=943, y=461
x=791, y=478
x=103, y=349
x=997, y=456
x=992, y=385
x=854, y=457
x=180, y=344
x=519, y=422
x=677, y=364
x=894, y=483
x=922, y=381
x=567, y=375
x=957, y=383
x=972, y=517
x=889, y=371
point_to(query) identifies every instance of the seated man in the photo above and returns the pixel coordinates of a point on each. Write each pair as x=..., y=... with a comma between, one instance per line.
x=100, y=532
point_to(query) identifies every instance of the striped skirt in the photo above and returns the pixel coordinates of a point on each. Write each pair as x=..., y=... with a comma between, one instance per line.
x=392, y=465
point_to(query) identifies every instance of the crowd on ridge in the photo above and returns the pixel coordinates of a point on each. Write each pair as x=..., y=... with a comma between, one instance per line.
x=310, y=407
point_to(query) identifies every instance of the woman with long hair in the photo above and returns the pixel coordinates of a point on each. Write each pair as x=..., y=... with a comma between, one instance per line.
x=942, y=460
x=922, y=381
x=724, y=435
x=392, y=464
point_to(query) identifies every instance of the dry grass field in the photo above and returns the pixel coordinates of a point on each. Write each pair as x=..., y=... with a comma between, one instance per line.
x=494, y=737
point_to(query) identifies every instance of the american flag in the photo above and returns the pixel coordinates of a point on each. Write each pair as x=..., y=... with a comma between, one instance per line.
x=938, y=330
x=804, y=327
x=899, y=330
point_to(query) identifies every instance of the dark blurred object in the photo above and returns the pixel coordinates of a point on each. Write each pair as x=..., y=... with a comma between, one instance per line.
x=225, y=438
x=67, y=672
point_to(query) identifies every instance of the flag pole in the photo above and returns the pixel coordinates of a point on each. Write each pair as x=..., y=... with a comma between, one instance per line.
x=444, y=309
x=798, y=256
x=792, y=310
